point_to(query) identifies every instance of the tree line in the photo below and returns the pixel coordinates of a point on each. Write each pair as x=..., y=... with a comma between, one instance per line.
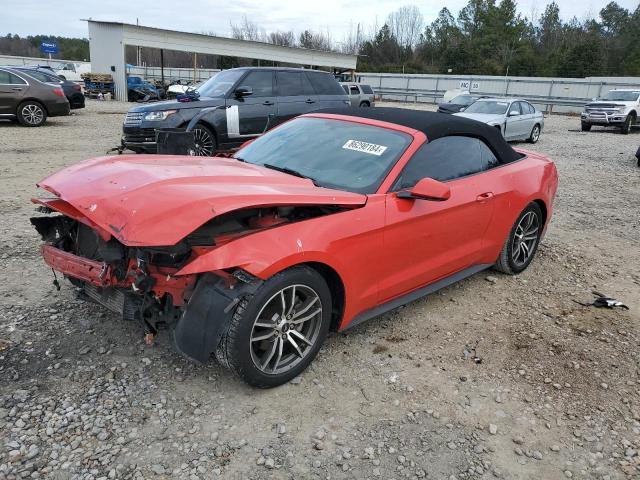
x=486, y=37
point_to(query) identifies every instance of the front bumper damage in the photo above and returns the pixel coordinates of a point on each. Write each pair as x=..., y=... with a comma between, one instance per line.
x=196, y=308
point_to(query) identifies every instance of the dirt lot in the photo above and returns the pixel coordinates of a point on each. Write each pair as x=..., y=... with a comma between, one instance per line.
x=555, y=392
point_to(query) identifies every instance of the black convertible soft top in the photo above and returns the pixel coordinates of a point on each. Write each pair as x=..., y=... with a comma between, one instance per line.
x=435, y=125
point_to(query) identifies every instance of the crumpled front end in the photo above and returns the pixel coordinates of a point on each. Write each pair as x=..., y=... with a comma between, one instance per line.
x=146, y=284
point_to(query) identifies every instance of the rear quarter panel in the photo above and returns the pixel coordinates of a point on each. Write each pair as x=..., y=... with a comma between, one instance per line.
x=515, y=185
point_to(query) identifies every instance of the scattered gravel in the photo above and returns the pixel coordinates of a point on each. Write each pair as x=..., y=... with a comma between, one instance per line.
x=495, y=377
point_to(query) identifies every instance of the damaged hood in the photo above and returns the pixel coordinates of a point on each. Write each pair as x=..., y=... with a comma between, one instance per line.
x=156, y=200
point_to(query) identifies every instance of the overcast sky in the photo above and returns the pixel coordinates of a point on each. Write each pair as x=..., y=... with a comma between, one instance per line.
x=26, y=17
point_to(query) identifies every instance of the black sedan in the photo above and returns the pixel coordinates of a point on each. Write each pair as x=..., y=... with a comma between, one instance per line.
x=72, y=90
x=458, y=104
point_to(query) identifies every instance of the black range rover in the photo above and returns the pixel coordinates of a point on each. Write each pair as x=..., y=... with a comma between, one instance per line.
x=250, y=99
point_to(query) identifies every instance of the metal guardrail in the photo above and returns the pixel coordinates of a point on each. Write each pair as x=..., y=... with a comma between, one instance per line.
x=549, y=102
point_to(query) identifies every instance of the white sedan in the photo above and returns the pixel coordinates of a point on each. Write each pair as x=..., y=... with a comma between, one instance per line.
x=517, y=119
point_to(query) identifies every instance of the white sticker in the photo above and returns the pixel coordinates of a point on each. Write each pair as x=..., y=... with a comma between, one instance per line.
x=364, y=147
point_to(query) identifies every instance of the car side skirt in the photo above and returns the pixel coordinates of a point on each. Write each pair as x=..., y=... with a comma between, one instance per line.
x=416, y=294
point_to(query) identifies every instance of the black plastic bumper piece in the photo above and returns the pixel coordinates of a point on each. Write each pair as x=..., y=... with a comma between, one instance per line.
x=207, y=315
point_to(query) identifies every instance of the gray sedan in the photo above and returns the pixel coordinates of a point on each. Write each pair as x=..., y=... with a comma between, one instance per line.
x=517, y=119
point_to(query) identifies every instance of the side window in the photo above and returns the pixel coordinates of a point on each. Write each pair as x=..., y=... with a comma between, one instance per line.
x=515, y=108
x=366, y=89
x=354, y=90
x=261, y=82
x=346, y=89
x=293, y=84
x=8, y=78
x=445, y=159
x=324, y=83
x=531, y=108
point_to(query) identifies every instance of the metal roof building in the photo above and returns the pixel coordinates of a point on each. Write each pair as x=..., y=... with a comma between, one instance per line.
x=107, y=42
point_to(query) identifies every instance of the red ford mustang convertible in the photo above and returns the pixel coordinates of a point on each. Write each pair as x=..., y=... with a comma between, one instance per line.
x=325, y=221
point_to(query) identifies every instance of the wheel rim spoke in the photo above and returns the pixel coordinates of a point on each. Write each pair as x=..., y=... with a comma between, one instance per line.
x=295, y=346
x=300, y=336
x=279, y=357
x=264, y=336
x=271, y=353
x=300, y=320
x=525, y=238
x=305, y=308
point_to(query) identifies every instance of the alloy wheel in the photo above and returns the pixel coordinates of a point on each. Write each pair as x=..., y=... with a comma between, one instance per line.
x=204, y=142
x=285, y=329
x=32, y=114
x=525, y=239
x=535, y=135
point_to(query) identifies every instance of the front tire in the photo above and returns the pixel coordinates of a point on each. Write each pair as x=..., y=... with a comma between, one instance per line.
x=535, y=134
x=585, y=127
x=276, y=333
x=31, y=114
x=626, y=126
x=522, y=242
x=364, y=104
x=205, y=141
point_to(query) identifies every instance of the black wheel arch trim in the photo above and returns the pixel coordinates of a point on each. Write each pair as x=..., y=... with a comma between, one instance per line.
x=207, y=315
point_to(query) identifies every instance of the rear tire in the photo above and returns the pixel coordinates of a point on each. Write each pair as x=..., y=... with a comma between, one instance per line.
x=276, y=333
x=585, y=127
x=626, y=126
x=364, y=104
x=522, y=242
x=535, y=134
x=31, y=114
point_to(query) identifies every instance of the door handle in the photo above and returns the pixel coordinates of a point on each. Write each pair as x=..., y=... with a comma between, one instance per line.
x=268, y=103
x=308, y=100
x=483, y=197
x=17, y=89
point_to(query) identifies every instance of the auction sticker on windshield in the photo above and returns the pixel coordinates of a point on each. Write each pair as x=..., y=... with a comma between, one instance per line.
x=364, y=147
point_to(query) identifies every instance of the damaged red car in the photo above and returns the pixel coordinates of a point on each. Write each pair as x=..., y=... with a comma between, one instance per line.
x=328, y=220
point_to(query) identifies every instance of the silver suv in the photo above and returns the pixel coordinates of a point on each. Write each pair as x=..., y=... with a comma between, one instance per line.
x=361, y=95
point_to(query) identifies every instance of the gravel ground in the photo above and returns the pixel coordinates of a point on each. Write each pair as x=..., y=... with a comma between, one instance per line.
x=495, y=377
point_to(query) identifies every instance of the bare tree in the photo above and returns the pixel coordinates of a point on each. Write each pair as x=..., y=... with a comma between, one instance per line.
x=285, y=39
x=406, y=25
x=248, y=30
x=352, y=40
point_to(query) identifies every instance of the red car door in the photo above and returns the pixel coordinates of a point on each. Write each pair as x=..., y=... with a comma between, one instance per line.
x=426, y=240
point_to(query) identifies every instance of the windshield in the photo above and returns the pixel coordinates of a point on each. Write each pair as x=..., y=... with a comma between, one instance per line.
x=220, y=84
x=333, y=153
x=462, y=100
x=491, y=107
x=621, y=96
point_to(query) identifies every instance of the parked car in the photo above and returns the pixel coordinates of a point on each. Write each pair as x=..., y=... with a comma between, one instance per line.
x=515, y=118
x=179, y=87
x=458, y=103
x=618, y=108
x=255, y=258
x=72, y=70
x=28, y=100
x=140, y=90
x=248, y=101
x=360, y=94
x=72, y=90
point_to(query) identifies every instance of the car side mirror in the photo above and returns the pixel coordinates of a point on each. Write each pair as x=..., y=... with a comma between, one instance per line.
x=427, y=189
x=514, y=113
x=462, y=109
x=243, y=91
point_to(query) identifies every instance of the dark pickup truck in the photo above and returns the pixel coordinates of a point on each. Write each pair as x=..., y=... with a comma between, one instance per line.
x=248, y=100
